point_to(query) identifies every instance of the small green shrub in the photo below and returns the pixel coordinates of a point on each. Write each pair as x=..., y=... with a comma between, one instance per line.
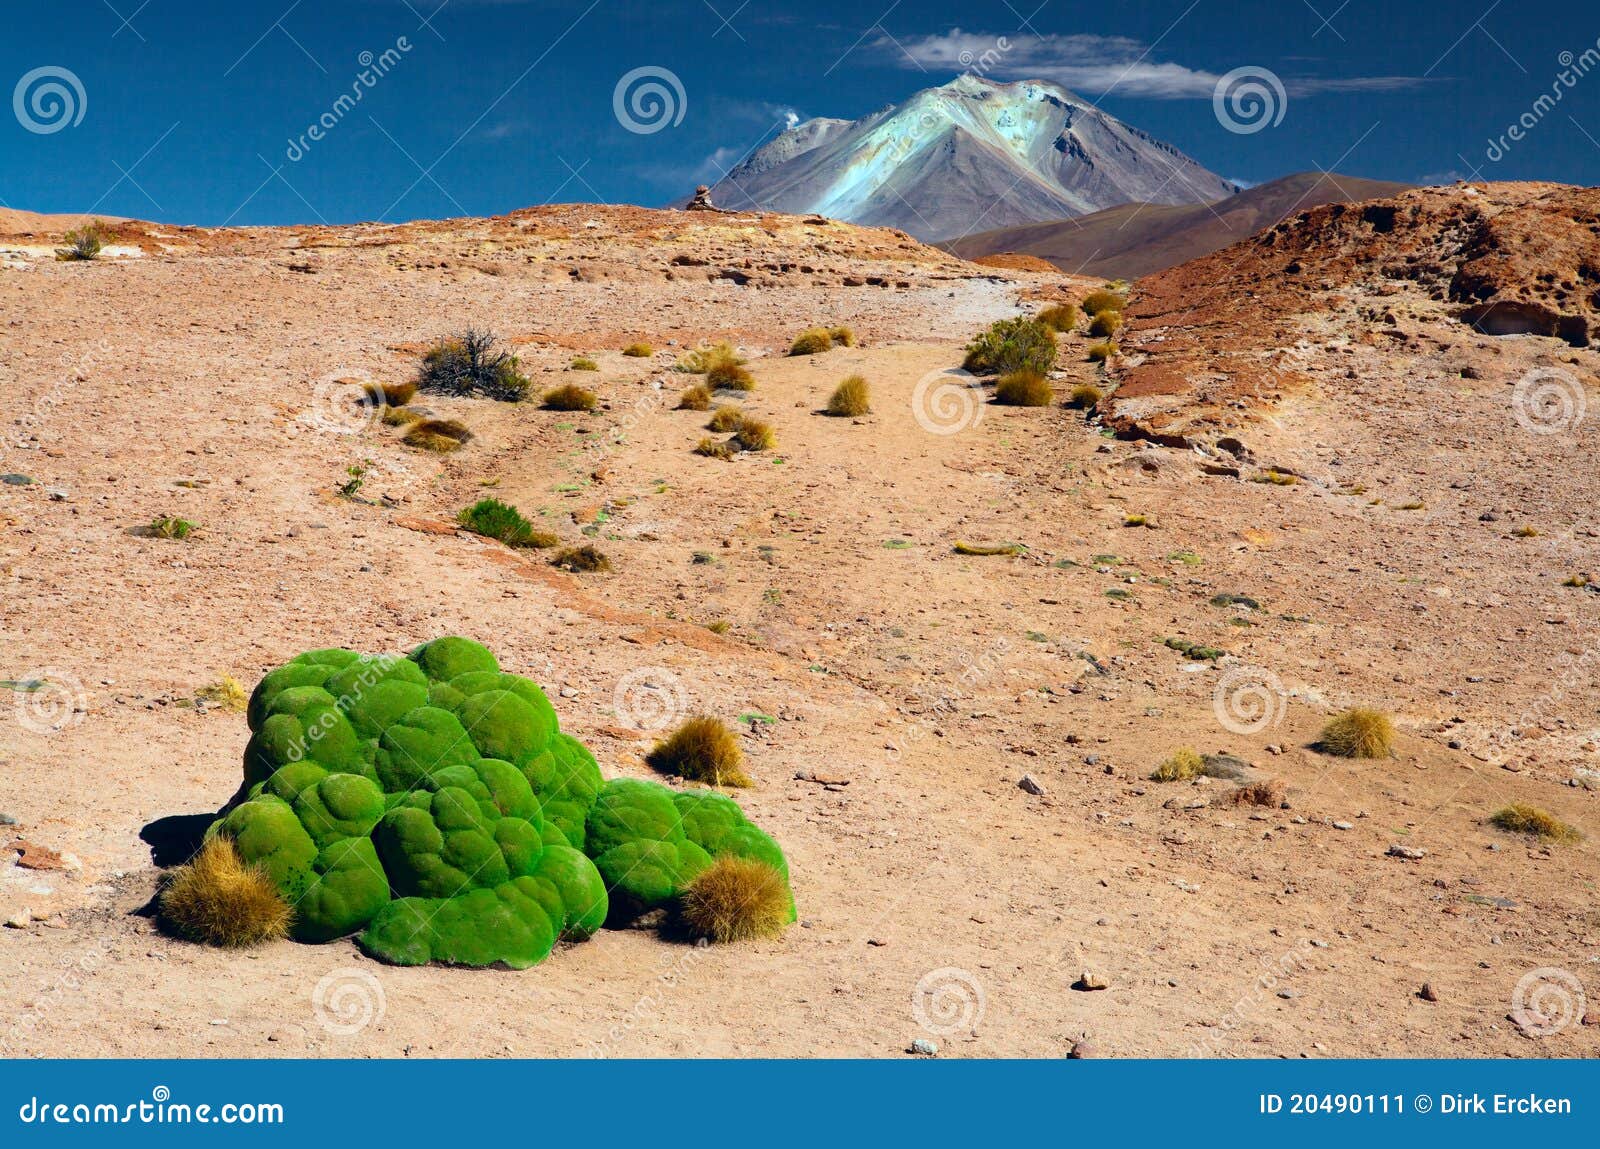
x=1012, y=345
x=82, y=243
x=850, y=398
x=168, y=527
x=1085, y=395
x=579, y=559
x=1097, y=301
x=440, y=436
x=1183, y=764
x=812, y=341
x=472, y=364
x=737, y=899
x=1062, y=317
x=1105, y=324
x=1024, y=389
x=1100, y=352
x=696, y=398
x=496, y=520
x=638, y=351
x=355, y=479
x=1521, y=818
x=1359, y=732
x=701, y=749
x=570, y=397
x=754, y=435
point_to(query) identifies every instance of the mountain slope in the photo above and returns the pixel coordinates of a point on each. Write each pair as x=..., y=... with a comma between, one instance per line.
x=970, y=154
x=1135, y=239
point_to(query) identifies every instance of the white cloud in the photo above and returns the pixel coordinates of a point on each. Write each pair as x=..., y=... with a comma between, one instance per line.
x=1092, y=65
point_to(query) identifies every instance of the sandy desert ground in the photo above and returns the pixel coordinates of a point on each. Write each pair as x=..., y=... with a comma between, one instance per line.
x=198, y=373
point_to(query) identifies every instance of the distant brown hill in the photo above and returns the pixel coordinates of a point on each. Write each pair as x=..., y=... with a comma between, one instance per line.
x=1136, y=239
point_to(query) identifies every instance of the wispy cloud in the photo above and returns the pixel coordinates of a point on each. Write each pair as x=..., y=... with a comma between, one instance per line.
x=1093, y=65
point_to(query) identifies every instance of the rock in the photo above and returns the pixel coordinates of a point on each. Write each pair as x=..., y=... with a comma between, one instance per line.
x=1344, y=825
x=1427, y=992
x=20, y=920
x=1090, y=980
x=1287, y=994
x=877, y=941
x=12, y=479
x=36, y=857
x=925, y=1048
x=1409, y=853
x=1031, y=784
x=1083, y=1051
x=58, y=494
x=7, y=820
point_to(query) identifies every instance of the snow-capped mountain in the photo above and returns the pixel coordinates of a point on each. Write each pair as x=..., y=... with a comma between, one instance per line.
x=971, y=155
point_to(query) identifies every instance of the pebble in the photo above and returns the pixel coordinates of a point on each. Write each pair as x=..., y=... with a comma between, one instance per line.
x=7, y=820
x=1409, y=853
x=1031, y=784
x=925, y=1048
x=1083, y=1051
x=20, y=920
x=57, y=494
x=1344, y=826
x=1427, y=992
x=1090, y=980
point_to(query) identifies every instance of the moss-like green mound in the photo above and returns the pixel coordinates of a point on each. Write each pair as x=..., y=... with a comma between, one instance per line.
x=431, y=804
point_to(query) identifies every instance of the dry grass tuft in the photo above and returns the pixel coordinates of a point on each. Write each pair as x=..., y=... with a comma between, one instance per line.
x=850, y=398
x=1100, y=352
x=736, y=899
x=1521, y=818
x=1184, y=763
x=1105, y=324
x=1359, y=732
x=701, y=749
x=1097, y=301
x=713, y=449
x=728, y=376
x=981, y=550
x=217, y=899
x=227, y=692
x=570, y=397
x=638, y=351
x=1084, y=396
x=583, y=363
x=440, y=436
x=842, y=336
x=696, y=398
x=812, y=341
x=703, y=359
x=1024, y=389
x=726, y=418
x=581, y=559
x=754, y=435
x=1062, y=317
x=400, y=416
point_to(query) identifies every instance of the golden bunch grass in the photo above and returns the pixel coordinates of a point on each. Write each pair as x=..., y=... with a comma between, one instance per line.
x=850, y=398
x=1359, y=732
x=1521, y=818
x=1181, y=765
x=713, y=448
x=579, y=559
x=1105, y=324
x=696, y=398
x=570, y=397
x=1060, y=317
x=1085, y=395
x=754, y=435
x=736, y=899
x=701, y=749
x=218, y=899
x=638, y=351
x=812, y=341
x=1024, y=389
x=983, y=550
x=1100, y=352
x=227, y=692
x=438, y=435
x=730, y=376
x=725, y=418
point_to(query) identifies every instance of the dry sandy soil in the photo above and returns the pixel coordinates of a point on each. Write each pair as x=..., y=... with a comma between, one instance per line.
x=197, y=374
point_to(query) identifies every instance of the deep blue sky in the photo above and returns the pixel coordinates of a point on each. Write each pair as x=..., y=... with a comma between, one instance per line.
x=189, y=108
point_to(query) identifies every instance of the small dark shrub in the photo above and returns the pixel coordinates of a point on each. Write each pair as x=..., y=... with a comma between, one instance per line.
x=438, y=435
x=82, y=243
x=471, y=364
x=584, y=558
